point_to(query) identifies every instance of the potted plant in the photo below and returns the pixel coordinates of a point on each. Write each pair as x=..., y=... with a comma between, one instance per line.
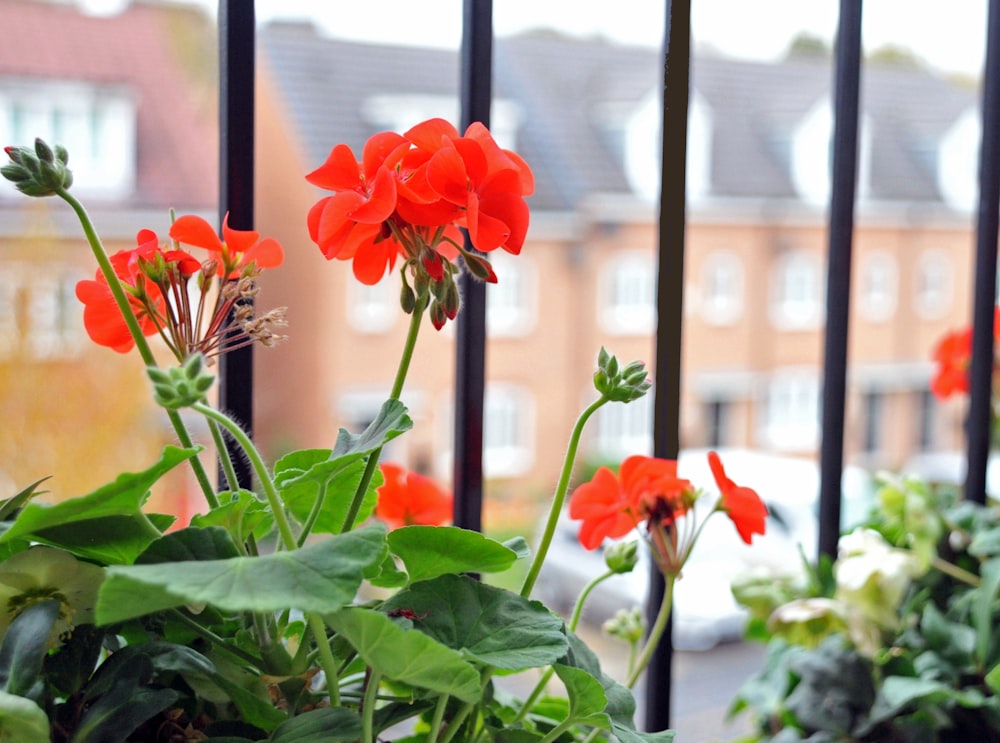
x=251, y=622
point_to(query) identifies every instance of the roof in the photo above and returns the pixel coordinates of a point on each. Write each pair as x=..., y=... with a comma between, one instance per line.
x=575, y=95
x=163, y=54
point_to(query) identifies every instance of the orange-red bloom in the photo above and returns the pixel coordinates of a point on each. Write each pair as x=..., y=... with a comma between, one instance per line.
x=102, y=318
x=407, y=498
x=952, y=355
x=237, y=248
x=744, y=507
x=410, y=193
x=645, y=488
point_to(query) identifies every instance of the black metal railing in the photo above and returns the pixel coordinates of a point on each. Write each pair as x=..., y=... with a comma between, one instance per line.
x=236, y=45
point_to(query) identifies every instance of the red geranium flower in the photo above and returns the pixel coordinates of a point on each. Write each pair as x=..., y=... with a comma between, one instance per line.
x=606, y=508
x=744, y=507
x=101, y=316
x=407, y=498
x=952, y=354
x=237, y=248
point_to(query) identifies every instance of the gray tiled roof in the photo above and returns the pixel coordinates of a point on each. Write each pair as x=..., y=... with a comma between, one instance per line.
x=569, y=92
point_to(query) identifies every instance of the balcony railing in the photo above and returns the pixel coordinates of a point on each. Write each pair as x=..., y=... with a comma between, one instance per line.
x=236, y=23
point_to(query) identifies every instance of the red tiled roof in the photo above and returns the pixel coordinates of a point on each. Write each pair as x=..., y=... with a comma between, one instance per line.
x=164, y=54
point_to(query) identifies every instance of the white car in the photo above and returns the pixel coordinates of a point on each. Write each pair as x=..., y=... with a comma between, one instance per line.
x=705, y=612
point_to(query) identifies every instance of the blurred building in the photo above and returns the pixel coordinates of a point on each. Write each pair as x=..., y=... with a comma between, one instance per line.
x=584, y=113
x=132, y=97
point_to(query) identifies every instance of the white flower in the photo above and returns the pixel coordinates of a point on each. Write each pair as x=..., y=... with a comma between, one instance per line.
x=873, y=576
x=43, y=573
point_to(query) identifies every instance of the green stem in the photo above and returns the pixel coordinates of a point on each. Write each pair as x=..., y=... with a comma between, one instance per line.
x=232, y=482
x=655, y=633
x=397, y=389
x=326, y=660
x=560, y=495
x=368, y=707
x=959, y=574
x=257, y=462
x=439, y=709
x=213, y=638
x=314, y=512
x=573, y=623
x=556, y=732
x=145, y=352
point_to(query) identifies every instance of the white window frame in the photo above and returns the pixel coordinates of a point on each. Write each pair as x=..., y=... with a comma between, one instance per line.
x=511, y=303
x=628, y=292
x=721, y=308
x=508, y=430
x=791, y=413
x=934, y=267
x=797, y=292
x=879, y=286
x=95, y=123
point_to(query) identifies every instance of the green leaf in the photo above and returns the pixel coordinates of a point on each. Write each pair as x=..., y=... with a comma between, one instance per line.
x=626, y=734
x=431, y=551
x=25, y=646
x=240, y=513
x=587, y=701
x=520, y=547
x=302, y=475
x=323, y=577
x=492, y=625
x=407, y=656
x=391, y=421
x=20, y=499
x=107, y=525
x=299, y=477
x=982, y=608
x=192, y=543
x=325, y=725
x=112, y=717
x=21, y=720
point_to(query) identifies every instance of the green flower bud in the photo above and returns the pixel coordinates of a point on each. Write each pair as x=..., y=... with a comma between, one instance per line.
x=622, y=557
x=626, y=625
x=38, y=172
x=617, y=384
x=407, y=299
x=181, y=386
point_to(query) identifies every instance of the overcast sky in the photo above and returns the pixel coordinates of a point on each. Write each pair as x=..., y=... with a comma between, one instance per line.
x=950, y=36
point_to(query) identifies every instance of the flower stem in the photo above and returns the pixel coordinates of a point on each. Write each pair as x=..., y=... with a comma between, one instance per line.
x=953, y=570
x=257, y=462
x=368, y=706
x=655, y=632
x=397, y=390
x=125, y=307
x=571, y=626
x=439, y=710
x=560, y=496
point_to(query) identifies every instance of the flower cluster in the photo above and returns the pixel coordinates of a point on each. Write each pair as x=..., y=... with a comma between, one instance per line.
x=407, y=498
x=649, y=490
x=952, y=356
x=159, y=283
x=409, y=195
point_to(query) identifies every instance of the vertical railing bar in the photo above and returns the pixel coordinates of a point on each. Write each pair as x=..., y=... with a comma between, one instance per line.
x=669, y=303
x=470, y=328
x=236, y=185
x=980, y=414
x=846, y=90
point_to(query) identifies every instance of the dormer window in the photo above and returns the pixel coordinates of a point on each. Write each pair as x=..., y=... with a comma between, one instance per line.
x=812, y=155
x=95, y=123
x=958, y=162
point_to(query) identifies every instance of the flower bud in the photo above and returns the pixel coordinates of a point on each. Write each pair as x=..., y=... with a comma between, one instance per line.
x=181, y=386
x=622, y=557
x=479, y=267
x=617, y=384
x=407, y=299
x=626, y=625
x=38, y=172
x=438, y=317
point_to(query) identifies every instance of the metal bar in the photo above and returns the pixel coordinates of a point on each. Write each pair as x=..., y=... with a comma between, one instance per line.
x=236, y=185
x=846, y=89
x=669, y=302
x=981, y=370
x=470, y=327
